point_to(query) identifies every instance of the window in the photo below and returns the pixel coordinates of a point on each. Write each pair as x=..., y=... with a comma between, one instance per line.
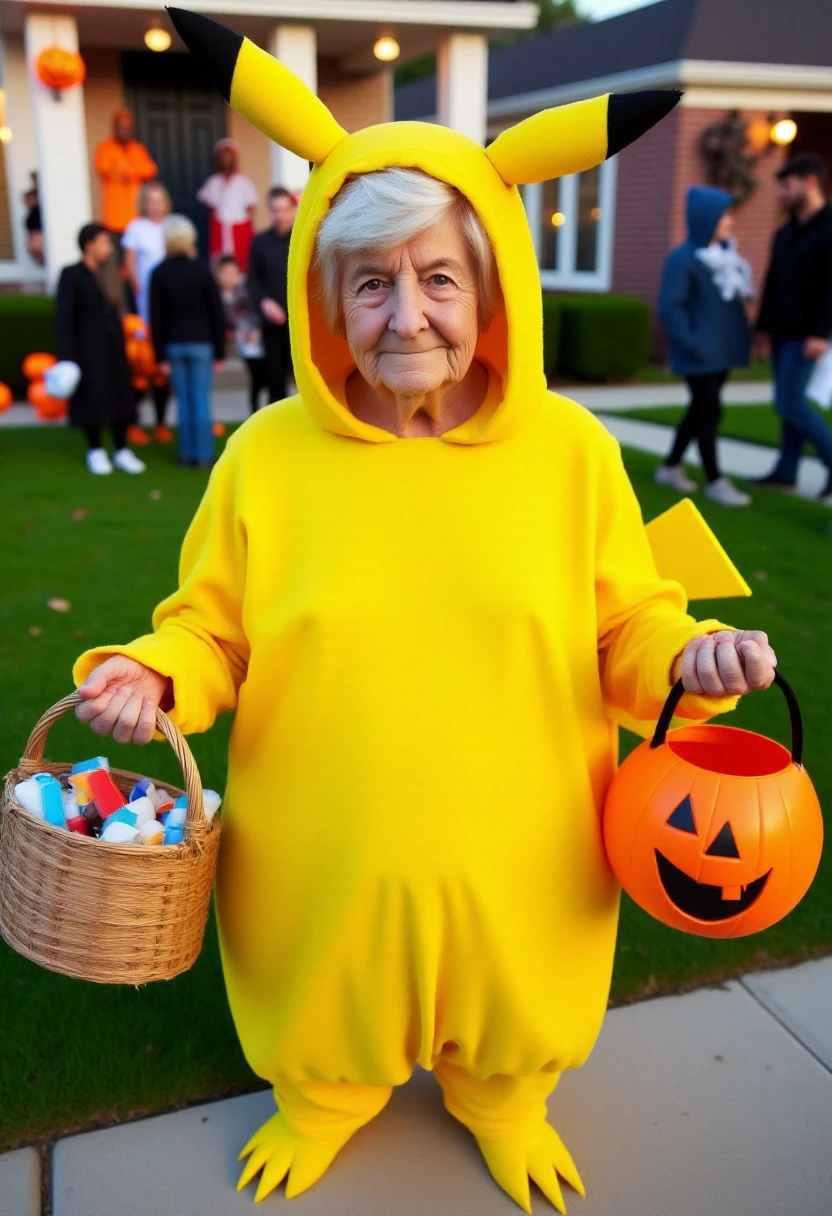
x=572, y=221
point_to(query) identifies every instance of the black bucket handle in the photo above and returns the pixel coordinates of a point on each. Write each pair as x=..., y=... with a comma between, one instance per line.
x=678, y=690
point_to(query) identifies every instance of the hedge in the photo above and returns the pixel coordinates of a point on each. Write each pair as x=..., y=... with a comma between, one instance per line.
x=552, y=314
x=27, y=324
x=602, y=337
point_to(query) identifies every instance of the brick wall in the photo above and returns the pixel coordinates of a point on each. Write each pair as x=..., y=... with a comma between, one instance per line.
x=255, y=160
x=103, y=95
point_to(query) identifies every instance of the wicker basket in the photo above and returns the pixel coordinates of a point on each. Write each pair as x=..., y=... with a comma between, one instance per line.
x=114, y=914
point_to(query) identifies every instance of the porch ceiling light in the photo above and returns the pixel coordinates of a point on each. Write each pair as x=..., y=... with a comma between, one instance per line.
x=784, y=131
x=157, y=39
x=558, y=219
x=386, y=49
x=5, y=134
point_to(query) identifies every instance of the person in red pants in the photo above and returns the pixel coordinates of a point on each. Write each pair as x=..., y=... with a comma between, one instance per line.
x=231, y=198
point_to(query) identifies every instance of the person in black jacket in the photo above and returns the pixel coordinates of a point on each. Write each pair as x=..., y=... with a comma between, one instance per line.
x=188, y=327
x=267, y=285
x=796, y=314
x=89, y=333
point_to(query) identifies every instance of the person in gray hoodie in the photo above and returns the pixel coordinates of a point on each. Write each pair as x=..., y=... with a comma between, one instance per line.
x=702, y=306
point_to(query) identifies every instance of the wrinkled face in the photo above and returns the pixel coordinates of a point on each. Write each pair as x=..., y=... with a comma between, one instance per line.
x=156, y=205
x=411, y=314
x=282, y=210
x=725, y=228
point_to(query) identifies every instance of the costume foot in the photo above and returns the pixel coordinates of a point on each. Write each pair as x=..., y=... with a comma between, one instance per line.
x=513, y=1162
x=277, y=1152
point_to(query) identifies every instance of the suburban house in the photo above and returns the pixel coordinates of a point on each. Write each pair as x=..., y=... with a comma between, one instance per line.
x=343, y=48
x=757, y=76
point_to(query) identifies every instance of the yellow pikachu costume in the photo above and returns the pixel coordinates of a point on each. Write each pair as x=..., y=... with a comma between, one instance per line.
x=425, y=642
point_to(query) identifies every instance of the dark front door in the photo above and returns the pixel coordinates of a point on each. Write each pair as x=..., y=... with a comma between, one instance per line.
x=179, y=121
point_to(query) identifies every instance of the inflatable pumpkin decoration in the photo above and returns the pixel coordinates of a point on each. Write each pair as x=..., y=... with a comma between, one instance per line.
x=6, y=397
x=46, y=406
x=36, y=364
x=714, y=830
x=60, y=69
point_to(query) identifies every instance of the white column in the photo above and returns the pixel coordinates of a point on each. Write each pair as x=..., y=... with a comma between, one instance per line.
x=462, y=84
x=21, y=152
x=62, y=146
x=296, y=46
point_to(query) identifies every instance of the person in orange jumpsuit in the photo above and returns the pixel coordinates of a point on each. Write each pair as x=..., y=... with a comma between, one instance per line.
x=123, y=164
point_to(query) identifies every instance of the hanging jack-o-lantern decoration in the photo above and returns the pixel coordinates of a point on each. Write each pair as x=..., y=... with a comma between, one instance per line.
x=59, y=69
x=715, y=830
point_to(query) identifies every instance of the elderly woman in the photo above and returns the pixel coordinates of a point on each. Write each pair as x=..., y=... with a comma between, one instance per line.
x=187, y=322
x=425, y=586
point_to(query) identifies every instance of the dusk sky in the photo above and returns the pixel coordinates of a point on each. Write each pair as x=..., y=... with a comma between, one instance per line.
x=608, y=8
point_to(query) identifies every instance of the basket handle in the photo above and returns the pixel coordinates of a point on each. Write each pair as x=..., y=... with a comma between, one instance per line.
x=795, y=718
x=195, y=825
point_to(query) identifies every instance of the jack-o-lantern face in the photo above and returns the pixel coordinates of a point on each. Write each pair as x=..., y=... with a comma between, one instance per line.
x=716, y=832
x=704, y=900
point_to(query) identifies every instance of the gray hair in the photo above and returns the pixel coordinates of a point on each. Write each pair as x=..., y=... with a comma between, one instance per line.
x=180, y=235
x=385, y=209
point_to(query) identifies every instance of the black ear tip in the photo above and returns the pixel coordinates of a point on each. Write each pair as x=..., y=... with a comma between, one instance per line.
x=214, y=46
x=629, y=115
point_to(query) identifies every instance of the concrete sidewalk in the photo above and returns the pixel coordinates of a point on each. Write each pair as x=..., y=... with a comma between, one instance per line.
x=717, y=1103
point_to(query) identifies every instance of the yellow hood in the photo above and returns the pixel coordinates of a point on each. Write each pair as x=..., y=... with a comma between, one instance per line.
x=568, y=139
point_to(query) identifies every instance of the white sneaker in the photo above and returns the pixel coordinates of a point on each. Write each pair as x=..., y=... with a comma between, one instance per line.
x=128, y=461
x=726, y=493
x=674, y=475
x=98, y=462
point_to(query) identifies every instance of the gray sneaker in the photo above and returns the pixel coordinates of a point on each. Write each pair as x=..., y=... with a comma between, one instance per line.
x=675, y=476
x=726, y=493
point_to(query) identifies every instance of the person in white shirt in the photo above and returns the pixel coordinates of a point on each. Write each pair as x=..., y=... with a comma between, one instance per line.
x=143, y=244
x=232, y=200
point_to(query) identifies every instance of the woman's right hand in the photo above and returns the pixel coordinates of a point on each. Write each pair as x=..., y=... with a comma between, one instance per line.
x=120, y=699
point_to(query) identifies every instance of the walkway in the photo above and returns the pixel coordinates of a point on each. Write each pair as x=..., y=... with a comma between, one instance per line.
x=718, y=1103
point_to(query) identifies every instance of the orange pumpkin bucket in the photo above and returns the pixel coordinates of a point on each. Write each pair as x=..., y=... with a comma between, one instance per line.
x=714, y=830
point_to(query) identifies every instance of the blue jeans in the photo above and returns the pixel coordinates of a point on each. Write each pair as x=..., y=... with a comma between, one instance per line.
x=191, y=374
x=799, y=420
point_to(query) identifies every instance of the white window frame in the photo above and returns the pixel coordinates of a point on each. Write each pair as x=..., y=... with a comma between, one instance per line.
x=565, y=277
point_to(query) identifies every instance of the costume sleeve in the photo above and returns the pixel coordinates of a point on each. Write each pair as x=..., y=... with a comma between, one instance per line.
x=66, y=315
x=207, y=193
x=132, y=236
x=251, y=196
x=106, y=165
x=641, y=618
x=198, y=640
x=144, y=165
x=673, y=304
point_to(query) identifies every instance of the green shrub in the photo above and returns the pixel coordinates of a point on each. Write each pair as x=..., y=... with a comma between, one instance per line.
x=551, y=333
x=27, y=324
x=603, y=337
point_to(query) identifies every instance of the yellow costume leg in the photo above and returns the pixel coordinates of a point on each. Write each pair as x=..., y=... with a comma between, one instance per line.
x=313, y=1123
x=507, y=1116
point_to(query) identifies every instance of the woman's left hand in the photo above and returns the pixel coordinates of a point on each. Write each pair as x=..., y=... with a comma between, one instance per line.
x=726, y=664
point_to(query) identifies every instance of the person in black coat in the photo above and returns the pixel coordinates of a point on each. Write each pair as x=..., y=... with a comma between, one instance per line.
x=89, y=333
x=267, y=283
x=796, y=315
x=187, y=322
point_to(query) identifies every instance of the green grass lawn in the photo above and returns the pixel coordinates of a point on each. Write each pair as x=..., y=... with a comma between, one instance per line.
x=78, y=1054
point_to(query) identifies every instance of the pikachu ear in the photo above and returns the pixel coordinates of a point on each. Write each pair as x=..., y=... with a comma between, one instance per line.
x=570, y=139
x=260, y=88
